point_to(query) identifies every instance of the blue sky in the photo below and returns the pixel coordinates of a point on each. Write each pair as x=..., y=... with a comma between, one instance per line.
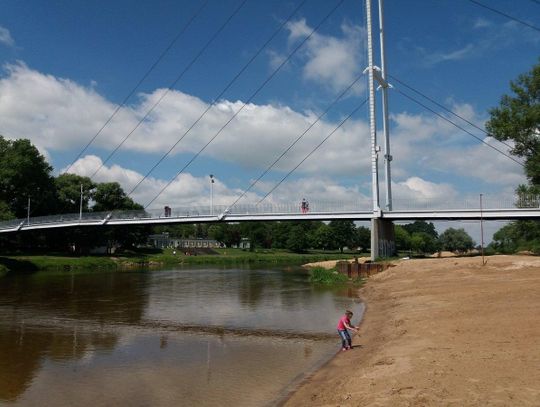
x=66, y=65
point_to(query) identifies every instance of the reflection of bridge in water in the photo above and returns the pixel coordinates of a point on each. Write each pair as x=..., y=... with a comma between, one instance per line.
x=491, y=208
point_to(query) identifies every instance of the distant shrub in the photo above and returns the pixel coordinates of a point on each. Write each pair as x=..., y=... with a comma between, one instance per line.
x=320, y=275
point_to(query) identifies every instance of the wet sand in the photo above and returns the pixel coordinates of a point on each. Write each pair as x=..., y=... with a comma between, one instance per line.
x=440, y=332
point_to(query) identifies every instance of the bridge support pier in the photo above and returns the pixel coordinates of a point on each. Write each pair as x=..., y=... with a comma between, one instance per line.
x=383, y=239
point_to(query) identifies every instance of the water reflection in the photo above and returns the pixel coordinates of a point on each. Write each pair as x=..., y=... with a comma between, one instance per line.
x=173, y=332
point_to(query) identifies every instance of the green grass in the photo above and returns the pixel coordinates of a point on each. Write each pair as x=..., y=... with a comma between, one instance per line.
x=30, y=263
x=320, y=275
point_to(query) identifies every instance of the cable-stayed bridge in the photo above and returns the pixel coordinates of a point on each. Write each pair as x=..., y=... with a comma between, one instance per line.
x=381, y=215
x=491, y=208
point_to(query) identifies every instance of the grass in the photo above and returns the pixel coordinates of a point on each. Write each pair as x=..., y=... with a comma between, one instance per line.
x=137, y=259
x=320, y=275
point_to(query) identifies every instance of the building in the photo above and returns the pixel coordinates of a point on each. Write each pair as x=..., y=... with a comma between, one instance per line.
x=164, y=241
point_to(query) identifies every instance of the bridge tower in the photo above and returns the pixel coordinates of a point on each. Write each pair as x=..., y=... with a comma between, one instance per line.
x=382, y=231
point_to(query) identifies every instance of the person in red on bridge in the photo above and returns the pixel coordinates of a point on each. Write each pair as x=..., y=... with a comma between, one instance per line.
x=304, y=206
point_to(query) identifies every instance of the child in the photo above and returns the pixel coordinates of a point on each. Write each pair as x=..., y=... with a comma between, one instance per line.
x=344, y=324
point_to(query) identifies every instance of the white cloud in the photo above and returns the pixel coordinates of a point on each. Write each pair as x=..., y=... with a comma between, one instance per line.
x=5, y=37
x=59, y=114
x=426, y=142
x=190, y=191
x=482, y=23
x=415, y=190
x=455, y=55
x=330, y=61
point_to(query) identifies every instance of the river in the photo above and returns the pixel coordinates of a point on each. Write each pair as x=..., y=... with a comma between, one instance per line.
x=193, y=336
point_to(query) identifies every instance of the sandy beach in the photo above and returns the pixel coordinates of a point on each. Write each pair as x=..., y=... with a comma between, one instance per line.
x=440, y=332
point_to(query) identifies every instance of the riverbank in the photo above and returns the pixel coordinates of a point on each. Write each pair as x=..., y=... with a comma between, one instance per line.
x=440, y=332
x=168, y=257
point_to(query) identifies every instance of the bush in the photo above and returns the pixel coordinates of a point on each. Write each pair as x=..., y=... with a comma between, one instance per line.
x=320, y=275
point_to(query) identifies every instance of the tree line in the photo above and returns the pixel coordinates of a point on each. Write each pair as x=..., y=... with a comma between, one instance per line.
x=419, y=237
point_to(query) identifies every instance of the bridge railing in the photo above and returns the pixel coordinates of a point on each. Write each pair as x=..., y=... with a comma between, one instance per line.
x=318, y=207
x=470, y=202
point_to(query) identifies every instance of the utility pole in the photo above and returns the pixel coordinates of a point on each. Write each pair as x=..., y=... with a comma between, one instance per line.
x=28, y=211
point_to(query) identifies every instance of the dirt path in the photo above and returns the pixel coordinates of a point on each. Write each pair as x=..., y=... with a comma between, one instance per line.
x=441, y=332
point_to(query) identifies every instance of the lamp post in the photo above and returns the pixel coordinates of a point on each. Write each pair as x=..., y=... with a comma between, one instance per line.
x=212, y=194
x=80, y=206
x=482, y=230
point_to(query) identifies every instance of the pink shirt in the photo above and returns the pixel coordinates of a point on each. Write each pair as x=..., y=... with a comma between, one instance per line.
x=342, y=321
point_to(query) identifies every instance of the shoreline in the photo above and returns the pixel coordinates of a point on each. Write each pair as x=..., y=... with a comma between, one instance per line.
x=59, y=262
x=440, y=331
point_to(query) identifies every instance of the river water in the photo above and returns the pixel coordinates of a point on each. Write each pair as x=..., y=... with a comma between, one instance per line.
x=198, y=336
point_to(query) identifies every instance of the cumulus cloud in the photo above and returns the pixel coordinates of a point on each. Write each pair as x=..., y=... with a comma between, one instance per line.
x=415, y=190
x=331, y=61
x=58, y=114
x=425, y=142
x=190, y=191
x=5, y=37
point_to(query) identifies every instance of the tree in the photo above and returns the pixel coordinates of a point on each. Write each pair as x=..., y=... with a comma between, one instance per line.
x=298, y=240
x=110, y=196
x=343, y=233
x=5, y=212
x=68, y=192
x=403, y=238
x=422, y=242
x=517, y=118
x=363, y=237
x=323, y=238
x=506, y=239
x=456, y=240
x=24, y=173
x=421, y=226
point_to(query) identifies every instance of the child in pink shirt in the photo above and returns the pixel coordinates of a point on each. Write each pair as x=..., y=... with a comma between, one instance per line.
x=344, y=324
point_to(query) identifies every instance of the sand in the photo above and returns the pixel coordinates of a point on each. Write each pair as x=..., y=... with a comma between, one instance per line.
x=440, y=332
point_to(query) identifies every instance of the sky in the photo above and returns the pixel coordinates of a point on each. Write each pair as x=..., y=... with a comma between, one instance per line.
x=67, y=66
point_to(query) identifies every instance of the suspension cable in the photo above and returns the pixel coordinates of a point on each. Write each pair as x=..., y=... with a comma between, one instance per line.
x=171, y=86
x=315, y=149
x=126, y=98
x=218, y=97
x=457, y=125
x=505, y=15
x=449, y=111
x=319, y=117
x=249, y=100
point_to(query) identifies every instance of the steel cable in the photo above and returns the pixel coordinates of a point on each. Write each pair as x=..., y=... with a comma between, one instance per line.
x=171, y=86
x=126, y=98
x=276, y=70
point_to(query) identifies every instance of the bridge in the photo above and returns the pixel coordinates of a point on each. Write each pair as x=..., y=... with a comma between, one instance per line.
x=492, y=208
x=380, y=216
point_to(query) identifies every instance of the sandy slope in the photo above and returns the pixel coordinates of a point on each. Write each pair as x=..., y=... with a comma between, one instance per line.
x=441, y=332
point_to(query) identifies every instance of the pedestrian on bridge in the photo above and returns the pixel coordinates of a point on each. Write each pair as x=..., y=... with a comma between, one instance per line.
x=304, y=206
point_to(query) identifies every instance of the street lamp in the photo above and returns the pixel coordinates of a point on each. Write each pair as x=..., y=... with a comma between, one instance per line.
x=212, y=194
x=28, y=211
x=81, y=204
